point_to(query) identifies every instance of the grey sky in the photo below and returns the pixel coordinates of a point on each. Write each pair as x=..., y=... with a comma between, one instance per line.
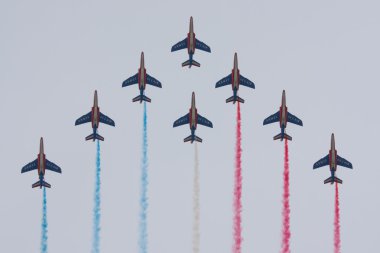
x=54, y=54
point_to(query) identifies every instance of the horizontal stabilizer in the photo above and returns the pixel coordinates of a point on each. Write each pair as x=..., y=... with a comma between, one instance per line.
x=332, y=180
x=39, y=184
x=279, y=136
x=234, y=99
x=190, y=138
x=94, y=137
x=191, y=63
x=141, y=98
x=198, y=139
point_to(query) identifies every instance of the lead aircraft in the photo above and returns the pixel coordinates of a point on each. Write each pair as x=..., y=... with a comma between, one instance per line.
x=333, y=160
x=283, y=116
x=95, y=117
x=191, y=43
x=192, y=118
x=41, y=164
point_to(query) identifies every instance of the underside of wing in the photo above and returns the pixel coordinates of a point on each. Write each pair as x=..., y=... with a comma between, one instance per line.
x=204, y=122
x=343, y=162
x=273, y=118
x=224, y=81
x=131, y=80
x=106, y=120
x=30, y=166
x=84, y=119
x=181, y=121
x=246, y=82
x=322, y=162
x=202, y=46
x=180, y=45
x=53, y=167
x=293, y=119
x=153, y=81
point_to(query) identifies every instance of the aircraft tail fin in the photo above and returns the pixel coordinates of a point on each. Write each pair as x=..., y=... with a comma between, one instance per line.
x=190, y=138
x=279, y=136
x=94, y=137
x=141, y=98
x=40, y=184
x=191, y=63
x=332, y=180
x=234, y=99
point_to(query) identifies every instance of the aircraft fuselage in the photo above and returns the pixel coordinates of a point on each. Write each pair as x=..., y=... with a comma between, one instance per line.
x=95, y=112
x=41, y=161
x=193, y=114
x=191, y=38
x=283, y=111
x=235, y=75
x=332, y=155
x=142, y=74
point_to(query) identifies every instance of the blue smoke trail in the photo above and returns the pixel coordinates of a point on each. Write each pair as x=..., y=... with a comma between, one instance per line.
x=143, y=240
x=96, y=221
x=44, y=224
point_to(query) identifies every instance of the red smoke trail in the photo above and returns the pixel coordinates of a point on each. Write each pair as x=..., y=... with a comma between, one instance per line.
x=286, y=207
x=238, y=185
x=337, y=222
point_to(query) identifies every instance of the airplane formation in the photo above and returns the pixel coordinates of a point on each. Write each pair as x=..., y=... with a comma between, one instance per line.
x=192, y=117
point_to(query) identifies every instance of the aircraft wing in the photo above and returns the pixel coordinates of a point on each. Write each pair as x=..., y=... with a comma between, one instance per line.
x=84, y=119
x=180, y=45
x=322, y=162
x=181, y=121
x=153, y=81
x=343, y=162
x=106, y=120
x=246, y=82
x=203, y=121
x=30, y=166
x=224, y=81
x=293, y=119
x=130, y=81
x=53, y=167
x=273, y=118
x=202, y=46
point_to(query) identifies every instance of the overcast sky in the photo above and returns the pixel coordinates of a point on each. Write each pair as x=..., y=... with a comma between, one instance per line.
x=54, y=54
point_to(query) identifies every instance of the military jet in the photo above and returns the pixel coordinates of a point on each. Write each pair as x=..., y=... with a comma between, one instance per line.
x=192, y=118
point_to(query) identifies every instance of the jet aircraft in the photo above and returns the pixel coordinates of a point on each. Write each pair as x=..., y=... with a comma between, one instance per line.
x=41, y=164
x=192, y=118
x=142, y=79
x=235, y=78
x=95, y=117
x=191, y=43
x=283, y=116
x=333, y=160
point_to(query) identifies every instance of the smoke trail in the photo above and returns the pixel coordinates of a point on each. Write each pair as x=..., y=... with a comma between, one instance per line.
x=286, y=207
x=337, y=221
x=238, y=186
x=143, y=240
x=96, y=217
x=44, y=224
x=196, y=233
